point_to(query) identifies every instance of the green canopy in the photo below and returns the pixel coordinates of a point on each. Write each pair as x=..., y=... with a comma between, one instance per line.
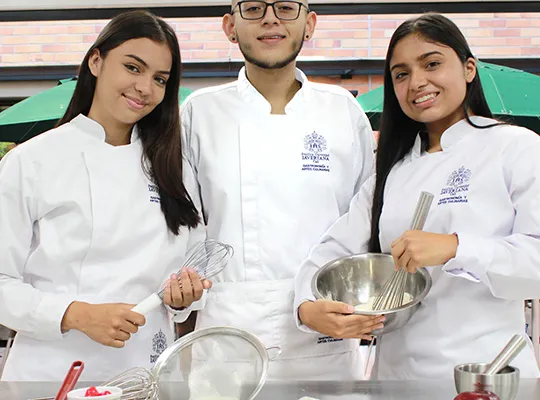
x=40, y=112
x=513, y=96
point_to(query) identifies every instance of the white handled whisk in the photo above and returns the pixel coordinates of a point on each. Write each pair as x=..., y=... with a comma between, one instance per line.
x=393, y=292
x=207, y=258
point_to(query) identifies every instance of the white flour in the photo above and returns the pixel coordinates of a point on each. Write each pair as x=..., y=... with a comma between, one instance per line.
x=214, y=381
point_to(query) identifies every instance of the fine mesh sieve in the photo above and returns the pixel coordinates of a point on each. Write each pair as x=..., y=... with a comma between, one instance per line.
x=217, y=363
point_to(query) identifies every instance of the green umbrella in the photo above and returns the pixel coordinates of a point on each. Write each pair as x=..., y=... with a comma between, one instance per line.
x=513, y=96
x=40, y=112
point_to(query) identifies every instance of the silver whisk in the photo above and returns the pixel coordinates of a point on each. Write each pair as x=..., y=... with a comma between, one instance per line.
x=207, y=258
x=392, y=293
x=136, y=384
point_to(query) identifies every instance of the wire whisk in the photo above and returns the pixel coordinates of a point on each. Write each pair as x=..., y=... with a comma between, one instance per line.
x=207, y=258
x=136, y=384
x=393, y=292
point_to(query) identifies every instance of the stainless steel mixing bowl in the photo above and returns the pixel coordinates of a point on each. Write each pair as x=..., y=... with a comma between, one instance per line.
x=505, y=384
x=355, y=279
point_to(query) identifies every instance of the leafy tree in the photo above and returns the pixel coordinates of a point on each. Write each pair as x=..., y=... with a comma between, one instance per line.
x=4, y=148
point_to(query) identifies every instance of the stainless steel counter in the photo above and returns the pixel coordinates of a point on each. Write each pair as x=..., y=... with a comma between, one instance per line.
x=388, y=390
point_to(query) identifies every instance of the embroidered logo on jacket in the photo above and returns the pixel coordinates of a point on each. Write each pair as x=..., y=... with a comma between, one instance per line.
x=457, y=187
x=154, y=193
x=328, y=339
x=159, y=344
x=315, y=158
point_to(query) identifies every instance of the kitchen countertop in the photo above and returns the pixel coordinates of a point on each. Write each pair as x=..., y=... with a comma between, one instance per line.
x=388, y=390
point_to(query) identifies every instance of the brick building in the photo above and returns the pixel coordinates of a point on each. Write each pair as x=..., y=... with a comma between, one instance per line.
x=503, y=37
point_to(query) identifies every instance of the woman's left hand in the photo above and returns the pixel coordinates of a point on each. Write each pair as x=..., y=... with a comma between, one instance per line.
x=416, y=249
x=181, y=291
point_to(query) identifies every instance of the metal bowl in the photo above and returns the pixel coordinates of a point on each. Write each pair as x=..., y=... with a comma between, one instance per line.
x=505, y=384
x=355, y=279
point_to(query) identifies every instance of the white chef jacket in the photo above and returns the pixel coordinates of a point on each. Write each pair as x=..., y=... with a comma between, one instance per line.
x=80, y=221
x=270, y=185
x=486, y=184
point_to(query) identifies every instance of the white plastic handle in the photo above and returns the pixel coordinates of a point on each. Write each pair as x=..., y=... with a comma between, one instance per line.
x=151, y=302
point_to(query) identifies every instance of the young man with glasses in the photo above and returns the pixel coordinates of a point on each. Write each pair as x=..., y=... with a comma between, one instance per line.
x=278, y=159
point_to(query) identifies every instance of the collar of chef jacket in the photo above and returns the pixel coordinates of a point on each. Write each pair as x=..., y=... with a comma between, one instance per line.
x=452, y=136
x=253, y=97
x=94, y=129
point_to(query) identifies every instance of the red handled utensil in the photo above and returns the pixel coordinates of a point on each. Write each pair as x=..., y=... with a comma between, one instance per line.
x=70, y=380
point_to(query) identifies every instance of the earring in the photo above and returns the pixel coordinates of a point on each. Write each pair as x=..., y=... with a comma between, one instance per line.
x=307, y=36
x=233, y=38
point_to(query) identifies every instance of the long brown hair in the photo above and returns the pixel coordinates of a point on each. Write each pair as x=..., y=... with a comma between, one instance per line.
x=159, y=131
x=397, y=131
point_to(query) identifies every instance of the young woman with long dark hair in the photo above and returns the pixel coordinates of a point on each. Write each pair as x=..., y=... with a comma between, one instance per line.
x=96, y=215
x=481, y=240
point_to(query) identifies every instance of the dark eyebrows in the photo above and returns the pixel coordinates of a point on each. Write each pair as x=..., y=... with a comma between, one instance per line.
x=420, y=58
x=424, y=56
x=397, y=66
x=145, y=64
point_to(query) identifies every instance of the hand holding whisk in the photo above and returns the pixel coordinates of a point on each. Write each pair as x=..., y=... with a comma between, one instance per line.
x=207, y=258
x=393, y=291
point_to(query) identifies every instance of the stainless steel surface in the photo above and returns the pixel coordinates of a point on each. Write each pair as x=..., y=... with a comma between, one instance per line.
x=529, y=389
x=504, y=384
x=507, y=355
x=391, y=295
x=535, y=331
x=43, y=398
x=207, y=258
x=357, y=278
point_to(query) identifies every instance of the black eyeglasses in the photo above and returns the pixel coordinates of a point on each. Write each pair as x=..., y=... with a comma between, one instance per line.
x=283, y=10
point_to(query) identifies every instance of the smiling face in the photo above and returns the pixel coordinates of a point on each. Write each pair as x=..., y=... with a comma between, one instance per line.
x=131, y=80
x=269, y=42
x=430, y=81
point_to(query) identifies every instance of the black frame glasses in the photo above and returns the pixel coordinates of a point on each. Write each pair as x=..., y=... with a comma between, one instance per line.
x=265, y=6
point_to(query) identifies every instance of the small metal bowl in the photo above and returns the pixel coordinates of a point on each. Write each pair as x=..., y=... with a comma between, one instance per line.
x=355, y=279
x=505, y=384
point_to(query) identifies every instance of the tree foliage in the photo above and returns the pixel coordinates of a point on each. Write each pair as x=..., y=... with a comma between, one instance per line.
x=4, y=148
